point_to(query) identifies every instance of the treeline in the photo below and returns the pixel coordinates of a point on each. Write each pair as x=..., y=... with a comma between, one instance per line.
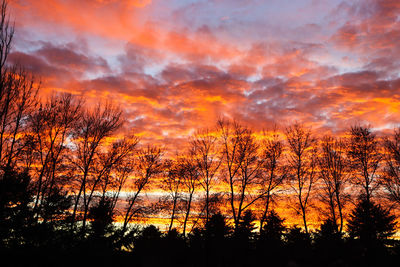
x=72, y=186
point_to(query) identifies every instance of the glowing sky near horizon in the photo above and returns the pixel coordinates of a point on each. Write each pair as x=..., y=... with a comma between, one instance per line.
x=175, y=66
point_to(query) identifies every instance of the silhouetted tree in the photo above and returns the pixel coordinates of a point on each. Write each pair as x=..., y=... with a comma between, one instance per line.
x=50, y=127
x=370, y=226
x=270, y=243
x=217, y=227
x=329, y=244
x=104, y=167
x=115, y=165
x=55, y=207
x=370, y=222
x=334, y=172
x=172, y=184
x=148, y=165
x=174, y=249
x=149, y=241
x=391, y=173
x=216, y=234
x=101, y=216
x=363, y=151
x=328, y=231
x=245, y=231
x=121, y=174
x=15, y=212
x=7, y=34
x=190, y=180
x=302, y=164
x=92, y=130
x=242, y=166
x=298, y=244
x=243, y=240
x=18, y=92
x=273, y=230
x=273, y=171
x=204, y=151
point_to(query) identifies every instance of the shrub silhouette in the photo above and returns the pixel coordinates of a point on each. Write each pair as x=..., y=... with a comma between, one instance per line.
x=102, y=217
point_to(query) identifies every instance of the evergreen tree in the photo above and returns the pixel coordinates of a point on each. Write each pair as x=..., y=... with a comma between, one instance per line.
x=270, y=243
x=298, y=245
x=246, y=227
x=273, y=229
x=15, y=212
x=328, y=243
x=370, y=222
x=370, y=226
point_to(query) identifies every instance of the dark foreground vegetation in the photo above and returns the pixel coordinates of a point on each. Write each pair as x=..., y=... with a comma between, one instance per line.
x=66, y=176
x=25, y=242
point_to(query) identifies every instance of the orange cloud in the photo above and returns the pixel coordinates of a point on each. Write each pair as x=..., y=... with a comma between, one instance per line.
x=172, y=74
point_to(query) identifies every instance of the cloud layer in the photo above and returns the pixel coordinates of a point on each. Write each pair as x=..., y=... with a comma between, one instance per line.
x=175, y=66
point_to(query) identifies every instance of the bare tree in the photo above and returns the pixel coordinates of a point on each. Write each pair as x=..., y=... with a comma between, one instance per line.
x=6, y=37
x=93, y=128
x=334, y=172
x=148, y=164
x=104, y=166
x=391, y=173
x=122, y=172
x=189, y=172
x=243, y=167
x=204, y=151
x=172, y=184
x=302, y=164
x=18, y=92
x=50, y=127
x=116, y=164
x=363, y=151
x=18, y=100
x=273, y=171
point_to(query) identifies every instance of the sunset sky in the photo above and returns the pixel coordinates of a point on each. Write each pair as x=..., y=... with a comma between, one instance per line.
x=175, y=66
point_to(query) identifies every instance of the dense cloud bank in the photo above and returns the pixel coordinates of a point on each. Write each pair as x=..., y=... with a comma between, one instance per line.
x=177, y=65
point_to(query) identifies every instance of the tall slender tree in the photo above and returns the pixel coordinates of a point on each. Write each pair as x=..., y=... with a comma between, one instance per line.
x=172, y=184
x=390, y=177
x=204, y=151
x=365, y=158
x=93, y=128
x=334, y=173
x=242, y=167
x=190, y=182
x=302, y=163
x=50, y=128
x=273, y=171
x=18, y=91
x=148, y=165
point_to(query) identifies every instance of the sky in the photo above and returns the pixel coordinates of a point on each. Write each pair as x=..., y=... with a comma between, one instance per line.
x=177, y=66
